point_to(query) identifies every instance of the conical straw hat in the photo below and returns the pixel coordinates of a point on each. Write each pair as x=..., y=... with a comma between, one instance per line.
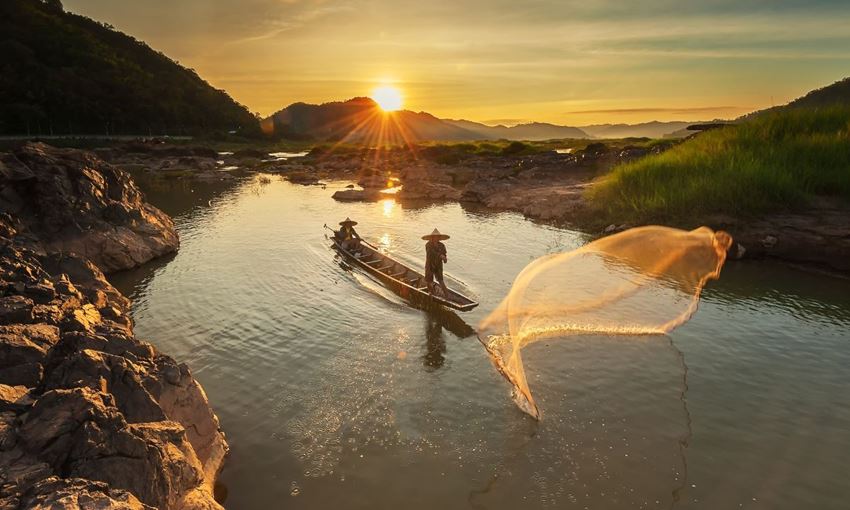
x=436, y=235
x=348, y=221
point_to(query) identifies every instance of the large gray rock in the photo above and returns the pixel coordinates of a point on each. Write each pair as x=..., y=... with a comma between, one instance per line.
x=76, y=202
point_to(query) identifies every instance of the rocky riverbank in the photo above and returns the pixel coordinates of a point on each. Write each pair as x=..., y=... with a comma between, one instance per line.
x=90, y=416
x=548, y=186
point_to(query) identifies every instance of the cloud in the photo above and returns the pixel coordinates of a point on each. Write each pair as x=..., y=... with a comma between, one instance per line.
x=697, y=109
x=298, y=20
x=506, y=122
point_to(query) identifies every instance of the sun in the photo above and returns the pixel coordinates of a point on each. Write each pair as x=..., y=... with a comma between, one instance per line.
x=388, y=98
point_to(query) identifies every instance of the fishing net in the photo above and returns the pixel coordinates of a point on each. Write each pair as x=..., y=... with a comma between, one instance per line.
x=642, y=281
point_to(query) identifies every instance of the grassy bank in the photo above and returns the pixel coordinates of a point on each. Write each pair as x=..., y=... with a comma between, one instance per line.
x=777, y=161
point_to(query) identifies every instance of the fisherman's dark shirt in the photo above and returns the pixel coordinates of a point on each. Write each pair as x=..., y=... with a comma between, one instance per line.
x=434, y=253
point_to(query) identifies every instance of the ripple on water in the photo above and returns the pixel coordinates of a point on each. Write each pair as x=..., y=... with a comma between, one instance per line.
x=327, y=383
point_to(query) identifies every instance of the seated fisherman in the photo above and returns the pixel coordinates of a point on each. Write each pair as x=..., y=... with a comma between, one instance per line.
x=348, y=238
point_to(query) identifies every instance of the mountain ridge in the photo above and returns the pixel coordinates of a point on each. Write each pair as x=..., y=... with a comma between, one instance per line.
x=63, y=73
x=361, y=118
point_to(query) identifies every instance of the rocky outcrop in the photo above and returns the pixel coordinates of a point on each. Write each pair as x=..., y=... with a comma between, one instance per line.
x=818, y=238
x=358, y=195
x=90, y=416
x=75, y=202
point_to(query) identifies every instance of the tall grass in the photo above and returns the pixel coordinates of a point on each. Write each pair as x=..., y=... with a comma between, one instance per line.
x=776, y=161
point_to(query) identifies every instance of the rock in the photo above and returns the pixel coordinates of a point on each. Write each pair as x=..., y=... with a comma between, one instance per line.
x=14, y=398
x=613, y=229
x=250, y=154
x=354, y=195
x=116, y=375
x=41, y=292
x=89, y=415
x=418, y=190
x=769, y=242
x=184, y=400
x=84, y=318
x=78, y=203
x=80, y=432
x=737, y=251
x=78, y=493
x=88, y=276
x=8, y=437
x=23, y=348
x=15, y=309
x=25, y=374
x=19, y=471
x=303, y=178
x=374, y=182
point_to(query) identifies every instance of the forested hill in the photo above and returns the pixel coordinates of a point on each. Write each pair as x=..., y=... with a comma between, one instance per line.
x=834, y=95
x=64, y=73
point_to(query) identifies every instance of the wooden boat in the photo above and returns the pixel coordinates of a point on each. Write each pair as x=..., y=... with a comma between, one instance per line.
x=404, y=281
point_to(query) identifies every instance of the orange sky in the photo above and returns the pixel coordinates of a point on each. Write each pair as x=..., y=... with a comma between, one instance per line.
x=564, y=62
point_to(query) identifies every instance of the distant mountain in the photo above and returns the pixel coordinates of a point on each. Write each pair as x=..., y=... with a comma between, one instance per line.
x=64, y=73
x=360, y=119
x=530, y=131
x=654, y=129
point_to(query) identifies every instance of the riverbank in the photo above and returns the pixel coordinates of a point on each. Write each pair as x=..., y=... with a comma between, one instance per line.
x=89, y=414
x=543, y=181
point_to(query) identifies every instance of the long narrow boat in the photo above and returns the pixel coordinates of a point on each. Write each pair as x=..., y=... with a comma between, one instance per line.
x=401, y=279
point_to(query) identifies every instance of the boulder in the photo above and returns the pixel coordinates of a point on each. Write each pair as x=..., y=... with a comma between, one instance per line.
x=14, y=398
x=356, y=195
x=419, y=190
x=24, y=344
x=75, y=493
x=81, y=433
x=78, y=203
x=15, y=309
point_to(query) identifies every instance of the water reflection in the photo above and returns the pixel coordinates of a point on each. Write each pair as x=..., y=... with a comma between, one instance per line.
x=301, y=361
x=435, y=346
x=389, y=205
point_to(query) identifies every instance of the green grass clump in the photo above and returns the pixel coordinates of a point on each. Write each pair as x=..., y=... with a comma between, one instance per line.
x=776, y=161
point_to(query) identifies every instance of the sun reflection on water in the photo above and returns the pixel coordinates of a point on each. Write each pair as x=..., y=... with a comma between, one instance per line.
x=389, y=206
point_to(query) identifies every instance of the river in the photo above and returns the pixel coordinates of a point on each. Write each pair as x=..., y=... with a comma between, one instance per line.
x=334, y=393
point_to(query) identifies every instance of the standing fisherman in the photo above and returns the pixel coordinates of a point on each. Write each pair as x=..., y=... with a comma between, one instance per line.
x=435, y=257
x=347, y=236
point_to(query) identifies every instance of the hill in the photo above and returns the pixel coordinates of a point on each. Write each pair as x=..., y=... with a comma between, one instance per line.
x=654, y=129
x=836, y=94
x=534, y=131
x=361, y=119
x=777, y=160
x=64, y=73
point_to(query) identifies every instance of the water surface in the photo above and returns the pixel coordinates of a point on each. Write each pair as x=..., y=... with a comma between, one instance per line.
x=334, y=393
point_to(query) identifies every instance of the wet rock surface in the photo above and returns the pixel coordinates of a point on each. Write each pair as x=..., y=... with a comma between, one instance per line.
x=90, y=416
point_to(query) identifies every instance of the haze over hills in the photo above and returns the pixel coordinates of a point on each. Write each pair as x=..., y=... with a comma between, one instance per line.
x=64, y=73
x=529, y=131
x=654, y=129
x=361, y=119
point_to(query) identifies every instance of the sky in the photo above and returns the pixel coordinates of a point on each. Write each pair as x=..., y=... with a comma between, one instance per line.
x=506, y=61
